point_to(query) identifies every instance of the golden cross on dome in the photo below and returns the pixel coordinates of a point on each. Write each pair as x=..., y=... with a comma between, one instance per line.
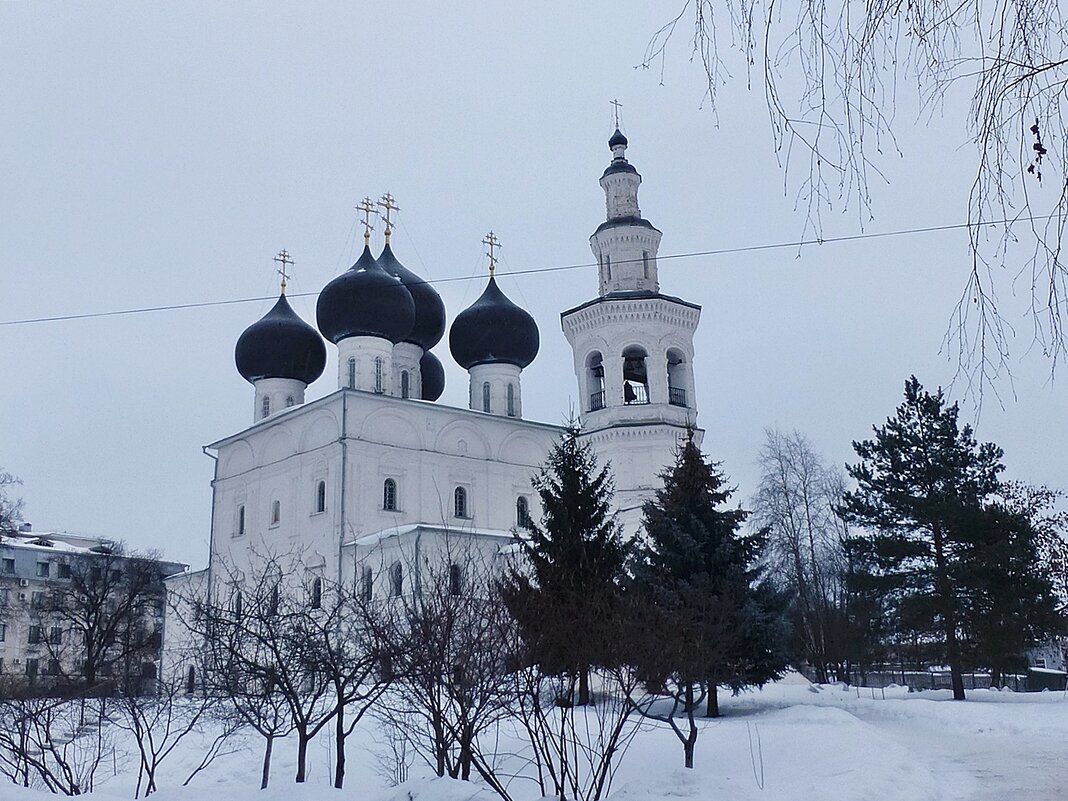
x=494, y=244
x=283, y=259
x=616, y=106
x=390, y=205
x=367, y=206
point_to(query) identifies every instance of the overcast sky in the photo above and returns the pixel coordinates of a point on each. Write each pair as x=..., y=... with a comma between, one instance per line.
x=157, y=154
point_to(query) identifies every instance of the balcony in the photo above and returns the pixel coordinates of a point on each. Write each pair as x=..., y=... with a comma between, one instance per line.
x=677, y=396
x=597, y=401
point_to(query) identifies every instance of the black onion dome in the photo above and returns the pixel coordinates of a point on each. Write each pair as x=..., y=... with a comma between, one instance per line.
x=617, y=139
x=365, y=301
x=493, y=329
x=280, y=345
x=432, y=375
x=429, y=310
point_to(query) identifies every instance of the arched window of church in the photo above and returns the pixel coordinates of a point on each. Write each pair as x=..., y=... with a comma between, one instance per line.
x=320, y=497
x=238, y=604
x=676, y=375
x=456, y=579
x=191, y=681
x=635, y=376
x=272, y=604
x=645, y=263
x=352, y=374
x=406, y=380
x=389, y=495
x=608, y=267
x=276, y=512
x=367, y=584
x=511, y=400
x=316, y=599
x=265, y=406
x=485, y=396
x=396, y=579
x=522, y=512
x=459, y=502
x=240, y=532
x=290, y=401
x=378, y=374
x=595, y=380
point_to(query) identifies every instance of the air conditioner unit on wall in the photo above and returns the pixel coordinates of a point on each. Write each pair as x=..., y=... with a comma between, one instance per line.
x=24, y=582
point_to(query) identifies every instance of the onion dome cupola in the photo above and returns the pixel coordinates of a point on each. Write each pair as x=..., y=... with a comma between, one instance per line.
x=433, y=376
x=625, y=244
x=493, y=339
x=280, y=355
x=429, y=325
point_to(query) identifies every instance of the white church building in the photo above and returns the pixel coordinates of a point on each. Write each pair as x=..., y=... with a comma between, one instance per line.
x=378, y=465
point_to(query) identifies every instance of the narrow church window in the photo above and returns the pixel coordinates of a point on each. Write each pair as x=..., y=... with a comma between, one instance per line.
x=522, y=512
x=635, y=376
x=608, y=267
x=352, y=374
x=456, y=579
x=272, y=606
x=290, y=401
x=511, y=400
x=276, y=512
x=320, y=497
x=645, y=263
x=389, y=495
x=367, y=588
x=406, y=391
x=240, y=532
x=396, y=579
x=317, y=594
x=191, y=681
x=459, y=498
x=378, y=374
x=238, y=604
x=485, y=396
x=266, y=407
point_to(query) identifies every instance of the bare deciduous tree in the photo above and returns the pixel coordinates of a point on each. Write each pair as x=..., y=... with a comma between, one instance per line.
x=833, y=74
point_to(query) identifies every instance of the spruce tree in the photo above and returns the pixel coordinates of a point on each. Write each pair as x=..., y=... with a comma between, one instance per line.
x=920, y=485
x=704, y=615
x=565, y=596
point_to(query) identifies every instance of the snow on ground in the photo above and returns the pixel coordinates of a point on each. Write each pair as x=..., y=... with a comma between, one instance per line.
x=788, y=742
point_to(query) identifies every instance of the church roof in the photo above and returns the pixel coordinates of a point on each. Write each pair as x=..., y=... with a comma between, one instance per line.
x=367, y=301
x=280, y=345
x=429, y=324
x=493, y=330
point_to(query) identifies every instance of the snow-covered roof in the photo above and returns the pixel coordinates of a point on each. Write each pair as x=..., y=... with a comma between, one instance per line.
x=56, y=542
x=400, y=531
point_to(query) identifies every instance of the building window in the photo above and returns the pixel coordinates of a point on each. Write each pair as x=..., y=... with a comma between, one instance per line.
x=238, y=604
x=378, y=374
x=240, y=530
x=459, y=502
x=43, y=569
x=485, y=396
x=191, y=681
x=522, y=512
x=276, y=512
x=367, y=584
x=3, y=632
x=676, y=375
x=265, y=408
x=608, y=267
x=290, y=401
x=55, y=636
x=37, y=600
x=635, y=376
x=406, y=380
x=389, y=495
x=317, y=593
x=511, y=400
x=33, y=636
x=456, y=579
x=8, y=566
x=272, y=601
x=645, y=263
x=320, y=497
x=396, y=579
x=31, y=668
x=3, y=597
x=63, y=570
x=352, y=374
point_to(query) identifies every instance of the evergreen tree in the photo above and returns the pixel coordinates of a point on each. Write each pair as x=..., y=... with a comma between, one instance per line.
x=565, y=595
x=705, y=617
x=921, y=483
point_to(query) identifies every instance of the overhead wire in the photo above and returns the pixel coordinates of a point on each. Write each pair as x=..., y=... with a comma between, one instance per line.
x=536, y=270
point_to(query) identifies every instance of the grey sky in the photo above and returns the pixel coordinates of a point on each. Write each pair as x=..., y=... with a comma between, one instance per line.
x=163, y=153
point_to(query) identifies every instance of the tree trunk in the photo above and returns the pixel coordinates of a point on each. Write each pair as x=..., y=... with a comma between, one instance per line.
x=995, y=677
x=339, y=748
x=948, y=610
x=584, y=686
x=691, y=736
x=266, y=775
x=712, y=706
x=302, y=754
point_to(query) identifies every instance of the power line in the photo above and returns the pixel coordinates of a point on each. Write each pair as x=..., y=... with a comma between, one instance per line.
x=534, y=270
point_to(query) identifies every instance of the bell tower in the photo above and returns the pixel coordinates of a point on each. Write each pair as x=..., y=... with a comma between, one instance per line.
x=633, y=348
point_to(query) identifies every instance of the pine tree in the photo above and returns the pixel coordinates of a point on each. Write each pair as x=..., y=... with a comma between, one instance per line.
x=705, y=617
x=564, y=596
x=921, y=483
